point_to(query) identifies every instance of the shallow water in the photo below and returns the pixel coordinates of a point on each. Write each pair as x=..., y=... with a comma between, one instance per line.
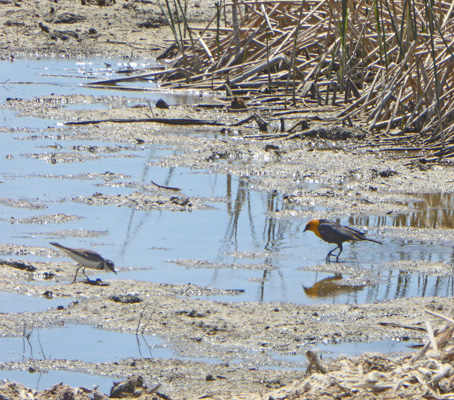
x=44, y=380
x=243, y=246
x=59, y=76
x=16, y=303
x=431, y=210
x=92, y=345
x=88, y=344
x=241, y=243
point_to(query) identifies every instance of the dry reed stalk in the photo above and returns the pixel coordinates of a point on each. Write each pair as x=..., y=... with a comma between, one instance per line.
x=388, y=61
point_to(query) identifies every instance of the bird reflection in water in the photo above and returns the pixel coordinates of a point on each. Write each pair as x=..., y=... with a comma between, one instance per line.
x=331, y=286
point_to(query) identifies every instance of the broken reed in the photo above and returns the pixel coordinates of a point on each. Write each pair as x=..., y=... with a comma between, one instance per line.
x=391, y=60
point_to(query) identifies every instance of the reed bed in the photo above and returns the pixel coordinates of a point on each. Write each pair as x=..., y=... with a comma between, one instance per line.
x=385, y=64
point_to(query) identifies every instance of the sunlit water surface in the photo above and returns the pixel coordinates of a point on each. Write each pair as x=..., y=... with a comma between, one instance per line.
x=241, y=242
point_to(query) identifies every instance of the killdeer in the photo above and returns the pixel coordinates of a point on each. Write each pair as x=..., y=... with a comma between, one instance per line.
x=86, y=259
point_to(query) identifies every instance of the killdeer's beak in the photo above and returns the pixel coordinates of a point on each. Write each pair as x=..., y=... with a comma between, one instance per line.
x=109, y=266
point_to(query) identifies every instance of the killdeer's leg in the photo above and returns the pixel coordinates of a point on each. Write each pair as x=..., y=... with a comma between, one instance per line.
x=75, y=276
x=88, y=279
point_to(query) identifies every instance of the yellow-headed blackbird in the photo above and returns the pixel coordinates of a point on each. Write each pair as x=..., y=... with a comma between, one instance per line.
x=332, y=232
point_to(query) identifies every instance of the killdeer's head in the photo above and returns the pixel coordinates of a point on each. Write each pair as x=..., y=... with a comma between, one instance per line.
x=109, y=266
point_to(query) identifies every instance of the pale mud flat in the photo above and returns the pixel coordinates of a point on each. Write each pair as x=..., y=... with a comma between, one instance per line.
x=209, y=329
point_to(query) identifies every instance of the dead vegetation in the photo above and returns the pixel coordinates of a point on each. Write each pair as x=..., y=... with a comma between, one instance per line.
x=385, y=66
x=427, y=374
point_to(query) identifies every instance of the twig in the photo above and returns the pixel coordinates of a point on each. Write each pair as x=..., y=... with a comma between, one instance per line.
x=174, y=189
x=439, y=316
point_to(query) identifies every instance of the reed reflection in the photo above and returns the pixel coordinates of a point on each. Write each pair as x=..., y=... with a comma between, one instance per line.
x=398, y=284
x=431, y=210
x=267, y=233
x=240, y=203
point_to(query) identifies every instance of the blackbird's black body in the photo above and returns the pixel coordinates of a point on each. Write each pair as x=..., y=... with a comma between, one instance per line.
x=332, y=232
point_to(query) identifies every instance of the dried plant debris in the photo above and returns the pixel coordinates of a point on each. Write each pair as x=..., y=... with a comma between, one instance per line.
x=21, y=203
x=391, y=73
x=428, y=374
x=19, y=265
x=217, y=265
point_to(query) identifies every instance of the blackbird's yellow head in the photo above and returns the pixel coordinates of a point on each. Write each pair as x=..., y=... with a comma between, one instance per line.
x=312, y=225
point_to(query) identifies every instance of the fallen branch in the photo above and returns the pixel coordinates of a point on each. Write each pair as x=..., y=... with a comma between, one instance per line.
x=394, y=325
x=168, y=121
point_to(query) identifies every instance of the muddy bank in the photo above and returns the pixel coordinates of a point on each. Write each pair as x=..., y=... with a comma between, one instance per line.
x=119, y=29
x=350, y=181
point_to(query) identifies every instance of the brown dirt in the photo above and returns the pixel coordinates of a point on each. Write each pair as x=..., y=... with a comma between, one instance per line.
x=69, y=29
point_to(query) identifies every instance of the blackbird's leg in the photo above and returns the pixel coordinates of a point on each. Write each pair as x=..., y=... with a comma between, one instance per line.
x=340, y=251
x=329, y=254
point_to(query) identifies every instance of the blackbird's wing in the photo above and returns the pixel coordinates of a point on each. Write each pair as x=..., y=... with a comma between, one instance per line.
x=335, y=233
